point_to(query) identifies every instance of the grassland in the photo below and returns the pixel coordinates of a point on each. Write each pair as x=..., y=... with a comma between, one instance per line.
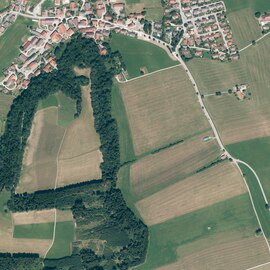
x=229, y=220
x=34, y=231
x=154, y=172
x=244, y=25
x=64, y=235
x=47, y=4
x=11, y=40
x=238, y=121
x=140, y=54
x=72, y=156
x=216, y=184
x=4, y=4
x=5, y=102
x=162, y=112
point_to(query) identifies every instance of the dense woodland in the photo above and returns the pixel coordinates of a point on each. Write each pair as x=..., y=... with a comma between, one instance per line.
x=98, y=206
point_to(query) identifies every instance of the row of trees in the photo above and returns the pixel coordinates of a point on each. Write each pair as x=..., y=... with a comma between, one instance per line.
x=97, y=202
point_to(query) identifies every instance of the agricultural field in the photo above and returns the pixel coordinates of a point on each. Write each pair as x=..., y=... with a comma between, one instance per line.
x=11, y=40
x=201, y=190
x=73, y=156
x=238, y=121
x=154, y=9
x=154, y=172
x=244, y=25
x=161, y=113
x=5, y=102
x=222, y=226
x=139, y=54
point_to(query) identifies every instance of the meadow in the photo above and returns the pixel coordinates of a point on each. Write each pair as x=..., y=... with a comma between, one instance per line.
x=36, y=231
x=139, y=54
x=161, y=113
x=173, y=240
x=4, y=4
x=73, y=156
x=5, y=102
x=238, y=121
x=11, y=40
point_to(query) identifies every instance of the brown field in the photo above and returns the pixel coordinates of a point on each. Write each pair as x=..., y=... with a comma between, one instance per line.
x=264, y=267
x=44, y=216
x=39, y=163
x=236, y=120
x=213, y=185
x=79, y=157
x=56, y=156
x=236, y=255
x=176, y=162
x=161, y=109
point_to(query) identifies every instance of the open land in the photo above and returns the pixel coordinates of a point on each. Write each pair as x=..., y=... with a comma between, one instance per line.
x=213, y=185
x=172, y=164
x=4, y=4
x=139, y=54
x=161, y=113
x=5, y=102
x=221, y=223
x=238, y=121
x=73, y=156
x=11, y=40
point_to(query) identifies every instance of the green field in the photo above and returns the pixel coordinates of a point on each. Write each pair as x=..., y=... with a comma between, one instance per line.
x=49, y=101
x=4, y=4
x=244, y=25
x=231, y=217
x=5, y=102
x=256, y=153
x=119, y=113
x=140, y=54
x=64, y=235
x=5, y=217
x=36, y=231
x=11, y=40
x=47, y=4
x=66, y=109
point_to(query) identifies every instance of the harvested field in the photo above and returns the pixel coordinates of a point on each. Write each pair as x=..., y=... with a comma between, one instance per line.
x=39, y=163
x=213, y=185
x=172, y=164
x=236, y=120
x=79, y=156
x=236, y=255
x=162, y=112
x=72, y=156
x=44, y=216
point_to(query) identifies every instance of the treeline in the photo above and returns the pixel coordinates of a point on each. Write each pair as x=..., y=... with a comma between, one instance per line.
x=20, y=261
x=96, y=202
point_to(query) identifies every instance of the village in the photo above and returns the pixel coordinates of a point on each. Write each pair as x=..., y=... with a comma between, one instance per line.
x=193, y=28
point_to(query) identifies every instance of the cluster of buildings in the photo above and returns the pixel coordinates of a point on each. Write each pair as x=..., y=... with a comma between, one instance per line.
x=207, y=30
x=265, y=22
x=191, y=26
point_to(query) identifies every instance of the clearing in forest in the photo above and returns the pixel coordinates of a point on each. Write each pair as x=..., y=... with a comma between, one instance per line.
x=72, y=156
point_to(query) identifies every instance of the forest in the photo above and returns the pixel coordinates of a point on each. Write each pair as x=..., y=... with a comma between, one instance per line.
x=97, y=206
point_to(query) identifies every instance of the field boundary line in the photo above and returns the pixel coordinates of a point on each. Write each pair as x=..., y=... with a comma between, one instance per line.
x=257, y=266
x=57, y=158
x=257, y=40
x=151, y=73
x=54, y=231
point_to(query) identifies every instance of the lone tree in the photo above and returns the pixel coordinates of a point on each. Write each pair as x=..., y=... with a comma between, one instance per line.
x=257, y=14
x=253, y=42
x=258, y=231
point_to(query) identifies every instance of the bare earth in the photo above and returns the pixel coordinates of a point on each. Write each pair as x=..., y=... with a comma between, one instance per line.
x=44, y=216
x=236, y=255
x=172, y=163
x=216, y=184
x=163, y=112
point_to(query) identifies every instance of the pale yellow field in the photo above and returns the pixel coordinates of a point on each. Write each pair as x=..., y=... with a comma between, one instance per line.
x=39, y=163
x=79, y=157
x=238, y=121
x=236, y=255
x=162, y=108
x=213, y=185
x=56, y=156
x=176, y=162
x=43, y=216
